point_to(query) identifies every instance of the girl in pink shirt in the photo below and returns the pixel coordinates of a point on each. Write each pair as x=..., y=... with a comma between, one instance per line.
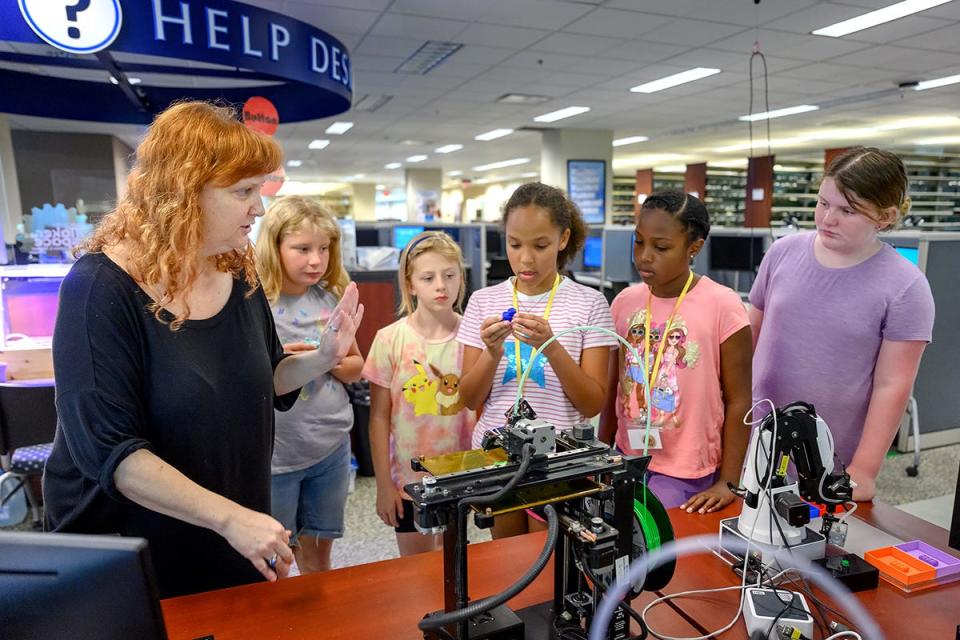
x=694, y=345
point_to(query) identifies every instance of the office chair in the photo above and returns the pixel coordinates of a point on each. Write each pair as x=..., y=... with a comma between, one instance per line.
x=28, y=422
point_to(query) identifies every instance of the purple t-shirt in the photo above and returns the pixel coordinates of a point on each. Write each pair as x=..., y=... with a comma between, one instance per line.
x=822, y=329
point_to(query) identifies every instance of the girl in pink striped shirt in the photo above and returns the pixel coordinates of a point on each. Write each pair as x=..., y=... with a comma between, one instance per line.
x=567, y=383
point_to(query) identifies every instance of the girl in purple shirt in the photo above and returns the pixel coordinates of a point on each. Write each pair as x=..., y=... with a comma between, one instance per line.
x=840, y=319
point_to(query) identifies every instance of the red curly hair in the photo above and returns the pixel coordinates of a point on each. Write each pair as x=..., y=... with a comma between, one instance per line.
x=188, y=146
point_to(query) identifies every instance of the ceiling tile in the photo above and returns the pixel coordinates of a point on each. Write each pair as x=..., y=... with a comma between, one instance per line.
x=644, y=52
x=543, y=60
x=333, y=20
x=696, y=33
x=575, y=43
x=397, y=26
x=617, y=24
x=539, y=14
x=500, y=36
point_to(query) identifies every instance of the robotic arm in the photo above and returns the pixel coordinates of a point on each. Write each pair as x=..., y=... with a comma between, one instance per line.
x=792, y=433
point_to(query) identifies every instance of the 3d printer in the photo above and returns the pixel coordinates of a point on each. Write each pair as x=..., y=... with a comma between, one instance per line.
x=600, y=517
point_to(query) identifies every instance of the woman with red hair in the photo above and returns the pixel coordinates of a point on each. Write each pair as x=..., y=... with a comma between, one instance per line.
x=168, y=366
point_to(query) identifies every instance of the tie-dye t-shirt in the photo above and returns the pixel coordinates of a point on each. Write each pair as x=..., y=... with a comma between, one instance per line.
x=686, y=398
x=423, y=376
x=322, y=416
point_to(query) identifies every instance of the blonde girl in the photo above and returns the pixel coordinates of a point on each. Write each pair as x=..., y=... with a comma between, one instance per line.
x=414, y=368
x=300, y=268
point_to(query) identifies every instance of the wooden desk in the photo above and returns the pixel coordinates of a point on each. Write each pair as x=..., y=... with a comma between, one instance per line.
x=382, y=600
x=897, y=613
x=387, y=599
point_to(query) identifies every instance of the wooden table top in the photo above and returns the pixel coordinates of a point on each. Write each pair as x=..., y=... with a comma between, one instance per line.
x=387, y=599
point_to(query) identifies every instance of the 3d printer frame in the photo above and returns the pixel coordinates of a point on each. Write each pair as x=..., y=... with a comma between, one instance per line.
x=592, y=488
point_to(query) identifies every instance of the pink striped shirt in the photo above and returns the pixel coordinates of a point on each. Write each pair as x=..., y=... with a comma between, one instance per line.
x=574, y=305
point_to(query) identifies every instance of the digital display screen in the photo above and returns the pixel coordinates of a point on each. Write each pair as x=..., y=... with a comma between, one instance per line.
x=910, y=253
x=593, y=253
x=403, y=235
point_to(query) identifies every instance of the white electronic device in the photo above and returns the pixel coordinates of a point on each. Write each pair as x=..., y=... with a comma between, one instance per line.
x=770, y=612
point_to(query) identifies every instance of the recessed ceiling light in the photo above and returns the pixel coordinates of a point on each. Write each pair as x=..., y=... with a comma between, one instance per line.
x=130, y=79
x=294, y=163
x=493, y=135
x=428, y=56
x=873, y=18
x=629, y=140
x=318, y=144
x=522, y=98
x=339, y=128
x=379, y=187
x=393, y=165
x=454, y=174
x=417, y=158
x=449, y=148
x=560, y=114
x=500, y=165
x=529, y=174
x=674, y=80
x=938, y=82
x=779, y=113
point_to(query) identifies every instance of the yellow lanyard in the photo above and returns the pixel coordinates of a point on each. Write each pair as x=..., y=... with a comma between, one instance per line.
x=546, y=314
x=666, y=330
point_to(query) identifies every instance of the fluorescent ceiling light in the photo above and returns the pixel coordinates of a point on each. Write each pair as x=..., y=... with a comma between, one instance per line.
x=379, y=187
x=393, y=165
x=417, y=158
x=921, y=122
x=880, y=16
x=629, y=140
x=130, y=79
x=493, y=135
x=671, y=168
x=449, y=148
x=339, y=128
x=500, y=165
x=677, y=78
x=560, y=114
x=529, y=174
x=779, y=113
x=454, y=174
x=926, y=84
x=944, y=140
x=318, y=144
x=294, y=163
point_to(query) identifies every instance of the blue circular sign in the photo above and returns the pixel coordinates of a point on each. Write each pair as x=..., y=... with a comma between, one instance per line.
x=75, y=26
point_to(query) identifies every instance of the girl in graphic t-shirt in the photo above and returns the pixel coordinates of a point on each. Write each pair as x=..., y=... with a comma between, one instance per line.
x=298, y=259
x=694, y=339
x=414, y=368
x=567, y=382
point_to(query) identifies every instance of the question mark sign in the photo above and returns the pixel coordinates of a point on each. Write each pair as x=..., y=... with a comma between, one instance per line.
x=72, y=11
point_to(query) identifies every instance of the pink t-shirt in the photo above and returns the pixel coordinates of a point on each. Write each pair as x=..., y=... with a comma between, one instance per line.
x=686, y=398
x=423, y=376
x=573, y=305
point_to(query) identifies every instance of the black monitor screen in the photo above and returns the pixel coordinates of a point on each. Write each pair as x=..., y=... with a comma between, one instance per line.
x=368, y=237
x=57, y=585
x=736, y=253
x=494, y=242
x=593, y=253
x=954, y=539
x=453, y=232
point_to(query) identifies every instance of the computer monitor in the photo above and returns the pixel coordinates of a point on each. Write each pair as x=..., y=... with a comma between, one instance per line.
x=368, y=236
x=910, y=253
x=954, y=538
x=453, y=232
x=402, y=235
x=735, y=253
x=494, y=241
x=57, y=585
x=593, y=253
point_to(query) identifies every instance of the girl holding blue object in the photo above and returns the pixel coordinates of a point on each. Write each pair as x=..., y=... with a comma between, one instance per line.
x=567, y=383
x=693, y=339
x=300, y=267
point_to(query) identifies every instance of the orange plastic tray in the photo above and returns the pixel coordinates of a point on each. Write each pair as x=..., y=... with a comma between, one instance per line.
x=900, y=565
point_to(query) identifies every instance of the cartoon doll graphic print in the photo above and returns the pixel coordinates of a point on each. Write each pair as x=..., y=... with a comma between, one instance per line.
x=679, y=352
